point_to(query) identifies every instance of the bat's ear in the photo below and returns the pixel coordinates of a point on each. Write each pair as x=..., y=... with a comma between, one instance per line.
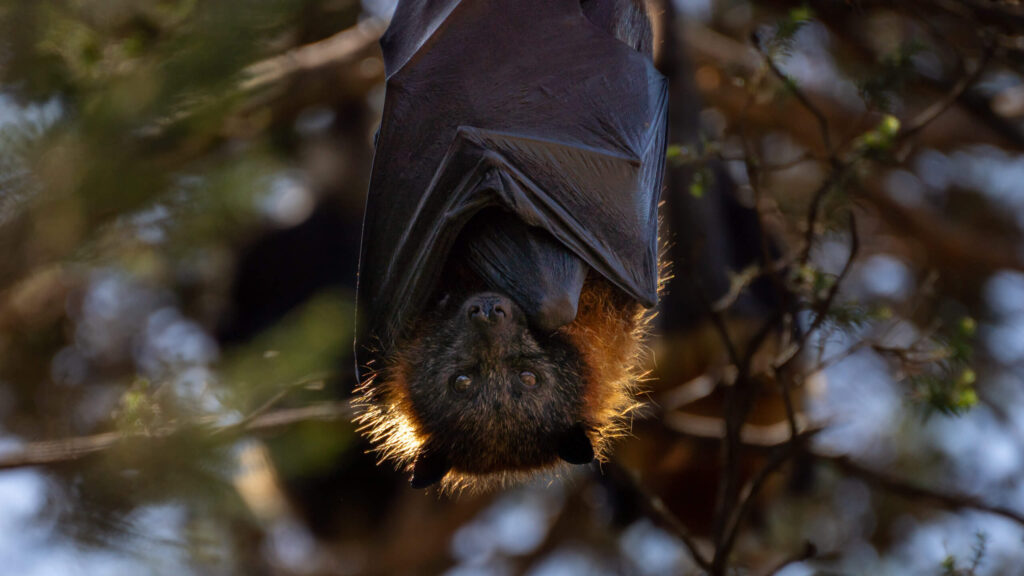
x=575, y=446
x=430, y=467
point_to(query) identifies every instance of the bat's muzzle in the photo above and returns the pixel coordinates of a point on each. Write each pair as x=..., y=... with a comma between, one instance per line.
x=489, y=309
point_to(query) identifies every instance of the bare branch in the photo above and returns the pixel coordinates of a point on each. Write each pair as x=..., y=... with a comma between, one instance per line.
x=273, y=401
x=752, y=489
x=54, y=452
x=930, y=114
x=955, y=244
x=763, y=435
x=791, y=85
x=316, y=56
x=51, y=452
x=825, y=305
x=894, y=485
x=658, y=511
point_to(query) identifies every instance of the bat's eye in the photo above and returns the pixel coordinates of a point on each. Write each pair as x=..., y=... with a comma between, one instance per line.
x=529, y=379
x=461, y=383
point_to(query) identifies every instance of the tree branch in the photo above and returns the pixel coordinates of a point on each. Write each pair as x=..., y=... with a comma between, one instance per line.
x=894, y=485
x=657, y=510
x=62, y=451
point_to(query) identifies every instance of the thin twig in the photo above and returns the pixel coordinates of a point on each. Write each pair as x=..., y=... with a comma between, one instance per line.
x=273, y=401
x=753, y=488
x=787, y=402
x=657, y=509
x=825, y=305
x=814, y=208
x=318, y=55
x=930, y=114
x=751, y=435
x=49, y=452
x=736, y=288
x=894, y=485
x=720, y=326
x=823, y=127
x=826, y=138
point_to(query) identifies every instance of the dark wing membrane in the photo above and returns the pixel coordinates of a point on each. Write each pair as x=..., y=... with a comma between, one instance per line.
x=412, y=26
x=627, y=20
x=519, y=104
x=526, y=263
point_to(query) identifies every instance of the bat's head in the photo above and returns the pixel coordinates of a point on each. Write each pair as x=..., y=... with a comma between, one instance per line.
x=478, y=394
x=490, y=395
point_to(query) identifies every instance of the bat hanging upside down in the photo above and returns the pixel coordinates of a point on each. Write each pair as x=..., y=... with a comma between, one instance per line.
x=510, y=240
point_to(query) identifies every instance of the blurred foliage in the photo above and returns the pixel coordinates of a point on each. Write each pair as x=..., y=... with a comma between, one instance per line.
x=129, y=184
x=948, y=386
x=304, y=347
x=881, y=89
x=950, y=564
x=783, y=33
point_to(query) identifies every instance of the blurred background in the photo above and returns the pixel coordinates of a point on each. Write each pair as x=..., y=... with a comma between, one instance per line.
x=837, y=369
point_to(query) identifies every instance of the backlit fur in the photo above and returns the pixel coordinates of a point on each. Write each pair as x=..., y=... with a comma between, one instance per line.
x=608, y=337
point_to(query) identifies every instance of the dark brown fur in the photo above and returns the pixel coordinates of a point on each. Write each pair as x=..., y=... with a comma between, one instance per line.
x=499, y=430
x=498, y=423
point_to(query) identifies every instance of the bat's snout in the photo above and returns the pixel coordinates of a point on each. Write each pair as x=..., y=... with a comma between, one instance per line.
x=491, y=313
x=489, y=309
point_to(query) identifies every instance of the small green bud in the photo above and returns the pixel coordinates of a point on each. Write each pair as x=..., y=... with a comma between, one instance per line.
x=801, y=14
x=967, y=377
x=873, y=139
x=889, y=126
x=968, y=326
x=968, y=398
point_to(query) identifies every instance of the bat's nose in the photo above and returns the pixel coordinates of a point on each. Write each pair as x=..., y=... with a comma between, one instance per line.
x=489, y=310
